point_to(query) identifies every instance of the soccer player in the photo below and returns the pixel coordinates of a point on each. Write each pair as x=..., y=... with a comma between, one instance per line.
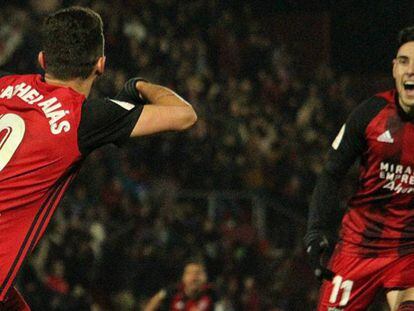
x=48, y=127
x=375, y=251
x=192, y=294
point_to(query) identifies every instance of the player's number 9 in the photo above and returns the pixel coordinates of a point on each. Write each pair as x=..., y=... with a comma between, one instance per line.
x=14, y=128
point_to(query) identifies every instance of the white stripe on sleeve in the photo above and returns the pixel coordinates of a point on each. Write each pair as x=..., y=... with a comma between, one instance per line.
x=125, y=105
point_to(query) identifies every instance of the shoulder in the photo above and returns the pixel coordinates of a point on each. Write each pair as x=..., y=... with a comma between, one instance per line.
x=104, y=109
x=368, y=109
x=7, y=77
x=387, y=96
x=23, y=79
x=376, y=103
x=4, y=73
x=351, y=138
x=28, y=76
x=107, y=102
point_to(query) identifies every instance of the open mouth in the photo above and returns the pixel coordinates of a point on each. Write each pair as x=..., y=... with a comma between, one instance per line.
x=409, y=85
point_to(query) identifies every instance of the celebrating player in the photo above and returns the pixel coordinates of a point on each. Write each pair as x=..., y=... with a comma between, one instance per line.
x=192, y=294
x=48, y=126
x=376, y=246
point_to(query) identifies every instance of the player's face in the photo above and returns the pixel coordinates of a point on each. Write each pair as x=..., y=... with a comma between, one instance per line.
x=194, y=277
x=403, y=72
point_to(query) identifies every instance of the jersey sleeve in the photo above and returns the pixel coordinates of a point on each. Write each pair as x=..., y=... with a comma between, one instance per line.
x=349, y=145
x=129, y=92
x=106, y=121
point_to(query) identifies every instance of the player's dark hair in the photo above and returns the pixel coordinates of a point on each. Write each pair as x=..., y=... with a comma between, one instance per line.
x=405, y=35
x=194, y=261
x=72, y=41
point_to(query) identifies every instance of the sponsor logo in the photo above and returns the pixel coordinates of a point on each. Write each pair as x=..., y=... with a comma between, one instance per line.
x=400, y=178
x=386, y=137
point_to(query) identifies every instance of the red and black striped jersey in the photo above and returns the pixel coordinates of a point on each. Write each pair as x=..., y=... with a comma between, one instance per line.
x=45, y=133
x=177, y=300
x=380, y=216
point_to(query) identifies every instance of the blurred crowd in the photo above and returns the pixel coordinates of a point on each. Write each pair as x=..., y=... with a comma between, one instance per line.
x=125, y=228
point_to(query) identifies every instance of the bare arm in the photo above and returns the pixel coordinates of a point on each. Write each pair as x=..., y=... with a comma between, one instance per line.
x=155, y=301
x=166, y=111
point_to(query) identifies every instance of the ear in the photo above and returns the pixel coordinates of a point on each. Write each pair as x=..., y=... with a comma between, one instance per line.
x=41, y=58
x=100, y=66
x=394, y=67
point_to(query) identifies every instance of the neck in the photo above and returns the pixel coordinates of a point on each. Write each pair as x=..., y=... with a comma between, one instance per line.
x=190, y=293
x=79, y=85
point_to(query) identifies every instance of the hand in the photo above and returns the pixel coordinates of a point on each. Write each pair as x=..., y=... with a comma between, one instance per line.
x=316, y=245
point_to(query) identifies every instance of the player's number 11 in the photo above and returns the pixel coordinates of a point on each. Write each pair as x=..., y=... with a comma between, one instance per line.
x=13, y=128
x=345, y=285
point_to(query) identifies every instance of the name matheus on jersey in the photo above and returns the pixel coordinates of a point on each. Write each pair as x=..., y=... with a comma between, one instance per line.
x=51, y=107
x=400, y=178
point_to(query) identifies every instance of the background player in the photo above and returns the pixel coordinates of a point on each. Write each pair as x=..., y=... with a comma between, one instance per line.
x=47, y=128
x=193, y=293
x=376, y=246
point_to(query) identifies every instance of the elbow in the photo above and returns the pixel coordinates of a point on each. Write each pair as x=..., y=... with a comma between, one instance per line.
x=189, y=120
x=193, y=118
